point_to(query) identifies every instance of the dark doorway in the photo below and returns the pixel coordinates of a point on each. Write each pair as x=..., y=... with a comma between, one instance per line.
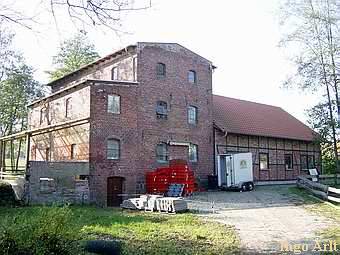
x=114, y=191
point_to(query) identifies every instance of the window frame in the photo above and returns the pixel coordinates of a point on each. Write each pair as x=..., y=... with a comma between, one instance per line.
x=161, y=70
x=166, y=156
x=160, y=114
x=192, y=72
x=196, y=115
x=308, y=161
x=301, y=156
x=111, y=149
x=191, y=146
x=114, y=72
x=267, y=161
x=291, y=161
x=108, y=104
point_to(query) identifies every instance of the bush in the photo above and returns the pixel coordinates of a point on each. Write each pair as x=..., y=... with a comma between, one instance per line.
x=7, y=194
x=48, y=233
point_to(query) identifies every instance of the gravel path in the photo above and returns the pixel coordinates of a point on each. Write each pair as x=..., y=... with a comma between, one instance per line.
x=264, y=218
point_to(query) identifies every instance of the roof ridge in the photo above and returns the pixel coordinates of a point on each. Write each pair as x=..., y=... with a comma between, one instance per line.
x=248, y=101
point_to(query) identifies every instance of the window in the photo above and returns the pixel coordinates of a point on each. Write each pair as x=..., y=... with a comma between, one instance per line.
x=192, y=115
x=192, y=76
x=43, y=115
x=47, y=185
x=289, y=161
x=114, y=73
x=162, y=110
x=162, y=152
x=47, y=154
x=134, y=68
x=307, y=162
x=193, y=154
x=161, y=70
x=68, y=107
x=113, y=149
x=264, y=161
x=73, y=151
x=113, y=104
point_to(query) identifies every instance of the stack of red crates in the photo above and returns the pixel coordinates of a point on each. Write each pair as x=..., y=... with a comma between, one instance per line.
x=158, y=181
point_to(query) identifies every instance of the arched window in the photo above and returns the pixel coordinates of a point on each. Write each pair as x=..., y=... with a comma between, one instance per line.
x=162, y=110
x=161, y=70
x=114, y=73
x=192, y=76
x=162, y=152
x=113, y=148
x=192, y=115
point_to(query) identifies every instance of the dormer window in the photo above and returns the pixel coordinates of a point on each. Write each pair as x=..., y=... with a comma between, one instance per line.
x=114, y=73
x=192, y=76
x=162, y=110
x=161, y=70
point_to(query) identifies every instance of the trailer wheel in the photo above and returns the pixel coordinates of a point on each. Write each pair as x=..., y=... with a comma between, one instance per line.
x=243, y=187
x=250, y=186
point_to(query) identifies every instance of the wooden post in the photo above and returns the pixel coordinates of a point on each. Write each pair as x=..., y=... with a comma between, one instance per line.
x=28, y=145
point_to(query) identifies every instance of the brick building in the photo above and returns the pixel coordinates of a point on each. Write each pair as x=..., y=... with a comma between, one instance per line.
x=107, y=123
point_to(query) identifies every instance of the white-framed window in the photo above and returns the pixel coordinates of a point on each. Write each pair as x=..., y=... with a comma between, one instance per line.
x=114, y=73
x=192, y=115
x=162, y=152
x=192, y=77
x=193, y=153
x=113, y=148
x=113, y=104
x=264, y=161
x=43, y=115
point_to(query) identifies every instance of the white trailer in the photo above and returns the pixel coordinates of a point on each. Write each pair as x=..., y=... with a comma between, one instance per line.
x=235, y=171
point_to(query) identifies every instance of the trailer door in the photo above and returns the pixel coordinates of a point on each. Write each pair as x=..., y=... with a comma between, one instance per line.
x=225, y=163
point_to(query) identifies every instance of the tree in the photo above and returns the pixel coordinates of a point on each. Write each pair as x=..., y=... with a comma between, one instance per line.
x=314, y=33
x=73, y=54
x=84, y=12
x=318, y=119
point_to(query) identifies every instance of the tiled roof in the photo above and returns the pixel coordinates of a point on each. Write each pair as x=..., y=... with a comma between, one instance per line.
x=245, y=117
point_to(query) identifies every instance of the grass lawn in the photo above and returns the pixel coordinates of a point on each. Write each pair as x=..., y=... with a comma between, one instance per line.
x=144, y=233
x=322, y=208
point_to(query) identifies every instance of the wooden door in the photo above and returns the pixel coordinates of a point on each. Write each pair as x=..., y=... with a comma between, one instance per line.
x=114, y=191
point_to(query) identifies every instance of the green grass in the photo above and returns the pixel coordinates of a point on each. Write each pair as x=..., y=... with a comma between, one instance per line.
x=325, y=209
x=145, y=233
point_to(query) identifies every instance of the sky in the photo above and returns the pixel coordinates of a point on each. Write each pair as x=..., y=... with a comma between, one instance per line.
x=240, y=38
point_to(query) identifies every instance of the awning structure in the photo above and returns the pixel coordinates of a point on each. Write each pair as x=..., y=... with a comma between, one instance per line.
x=27, y=134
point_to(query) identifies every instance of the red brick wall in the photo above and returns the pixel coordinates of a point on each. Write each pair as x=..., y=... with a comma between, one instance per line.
x=276, y=149
x=174, y=89
x=106, y=125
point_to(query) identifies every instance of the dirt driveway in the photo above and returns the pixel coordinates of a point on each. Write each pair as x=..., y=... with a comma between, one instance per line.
x=263, y=218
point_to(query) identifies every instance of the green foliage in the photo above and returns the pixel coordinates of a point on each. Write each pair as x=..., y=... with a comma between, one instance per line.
x=46, y=232
x=73, y=54
x=137, y=232
x=7, y=195
x=318, y=120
